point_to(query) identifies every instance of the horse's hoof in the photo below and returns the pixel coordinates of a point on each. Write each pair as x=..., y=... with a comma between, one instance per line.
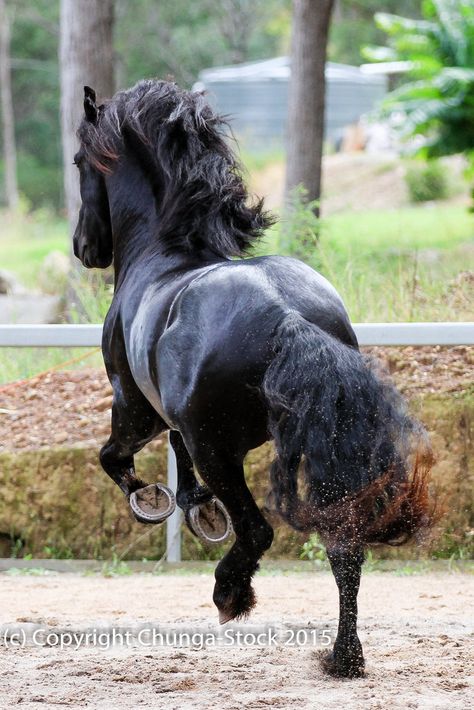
x=152, y=504
x=210, y=522
x=224, y=617
x=349, y=667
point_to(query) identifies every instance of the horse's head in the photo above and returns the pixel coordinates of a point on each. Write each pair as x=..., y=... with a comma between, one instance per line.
x=157, y=155
x=93, y=235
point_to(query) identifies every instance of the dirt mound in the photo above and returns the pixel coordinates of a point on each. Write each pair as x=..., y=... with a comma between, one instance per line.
x=353, y=181
x=72, y=408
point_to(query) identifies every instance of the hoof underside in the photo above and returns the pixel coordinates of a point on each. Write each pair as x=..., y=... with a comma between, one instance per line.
x=152, y=504
x=210, y=522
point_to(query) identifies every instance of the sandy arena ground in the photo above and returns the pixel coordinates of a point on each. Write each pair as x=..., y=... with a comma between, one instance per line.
x=417, y=632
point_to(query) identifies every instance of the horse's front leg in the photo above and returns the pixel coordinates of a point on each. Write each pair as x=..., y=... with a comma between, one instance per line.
x=134, y=424
x=233, y=592
x=346, y=659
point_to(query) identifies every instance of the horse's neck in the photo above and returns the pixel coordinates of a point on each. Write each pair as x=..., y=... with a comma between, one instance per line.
x=135, y=221
x=132, y=213
x=139, y=255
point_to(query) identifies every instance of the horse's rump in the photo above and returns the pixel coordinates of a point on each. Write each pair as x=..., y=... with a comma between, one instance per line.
x=351, y=462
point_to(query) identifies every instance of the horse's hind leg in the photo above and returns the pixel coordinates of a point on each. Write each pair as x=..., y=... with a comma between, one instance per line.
x=205, y=516
x=189, y=492
x=346, y=659
x=233, y=593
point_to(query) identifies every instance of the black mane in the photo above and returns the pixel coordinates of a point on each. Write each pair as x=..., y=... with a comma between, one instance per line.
x=203, y=199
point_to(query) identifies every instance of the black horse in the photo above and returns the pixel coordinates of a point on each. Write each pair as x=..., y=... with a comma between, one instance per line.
x=228, y=353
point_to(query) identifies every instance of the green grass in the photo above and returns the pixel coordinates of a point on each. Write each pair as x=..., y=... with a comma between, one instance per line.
x=375, y=234
x=22, y=363
x=254, y=161
x=400, y=265
x=25, y=240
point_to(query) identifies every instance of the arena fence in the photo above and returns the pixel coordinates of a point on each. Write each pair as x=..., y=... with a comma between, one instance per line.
x=382, y=334
x=69, y=336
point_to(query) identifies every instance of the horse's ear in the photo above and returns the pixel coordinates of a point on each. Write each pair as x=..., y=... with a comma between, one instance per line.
x=90, y=106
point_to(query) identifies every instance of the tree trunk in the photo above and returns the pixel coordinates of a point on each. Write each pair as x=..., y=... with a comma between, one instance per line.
x=8, y=121
x=86, y=57
x=311, y=20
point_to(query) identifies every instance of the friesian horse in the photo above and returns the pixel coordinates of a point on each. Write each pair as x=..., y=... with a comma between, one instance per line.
x=227, y=353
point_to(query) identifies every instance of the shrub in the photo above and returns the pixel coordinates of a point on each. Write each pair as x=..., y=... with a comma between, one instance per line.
x=427, y=181
x=300, y=226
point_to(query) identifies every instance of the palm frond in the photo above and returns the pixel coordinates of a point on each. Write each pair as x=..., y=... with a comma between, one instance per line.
x=395, y=24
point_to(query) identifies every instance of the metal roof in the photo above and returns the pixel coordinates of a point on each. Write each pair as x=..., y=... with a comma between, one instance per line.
x=278, y=69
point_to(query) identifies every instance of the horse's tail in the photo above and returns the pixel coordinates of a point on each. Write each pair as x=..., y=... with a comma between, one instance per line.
x=351, y=463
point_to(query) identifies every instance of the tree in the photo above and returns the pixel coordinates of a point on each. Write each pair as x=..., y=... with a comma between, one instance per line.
x=8, y=122
x=151, y=39
x=307, y=96
x=437, y=103
x=179, y=38
x=86, y=57
x=235, y=18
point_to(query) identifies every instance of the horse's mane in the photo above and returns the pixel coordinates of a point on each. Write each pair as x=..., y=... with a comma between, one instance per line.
x=203, y=199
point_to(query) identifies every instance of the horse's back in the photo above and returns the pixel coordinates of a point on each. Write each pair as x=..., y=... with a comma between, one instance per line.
x=219, y=339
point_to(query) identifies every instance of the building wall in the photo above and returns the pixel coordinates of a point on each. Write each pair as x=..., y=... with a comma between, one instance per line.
x=257, y=108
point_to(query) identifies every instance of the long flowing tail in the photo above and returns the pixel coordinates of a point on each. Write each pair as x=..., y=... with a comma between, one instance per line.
x=351, y=463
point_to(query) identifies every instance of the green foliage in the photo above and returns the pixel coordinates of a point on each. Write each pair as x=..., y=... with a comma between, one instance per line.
x=115, y=567
x=35, y=87
x=300, y=225
x=178, y=38
x=437, y=104
x=54, y=552
x=29, y=572
x=371, y=563
x=427, y=181
x=353, y=26
x=455, y=545
x=313, y=549
x=40, y=183
x=92, y=295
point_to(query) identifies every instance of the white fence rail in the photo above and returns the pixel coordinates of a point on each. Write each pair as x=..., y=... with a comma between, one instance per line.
x=367, y=334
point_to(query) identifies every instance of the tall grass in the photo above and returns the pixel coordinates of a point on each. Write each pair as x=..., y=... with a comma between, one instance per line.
x=403, y=265
x=92, y=293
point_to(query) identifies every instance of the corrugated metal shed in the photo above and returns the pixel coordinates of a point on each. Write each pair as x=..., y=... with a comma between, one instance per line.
x=255, y=97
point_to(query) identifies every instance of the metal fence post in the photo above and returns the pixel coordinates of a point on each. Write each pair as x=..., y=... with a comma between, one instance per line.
x=173, y=523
